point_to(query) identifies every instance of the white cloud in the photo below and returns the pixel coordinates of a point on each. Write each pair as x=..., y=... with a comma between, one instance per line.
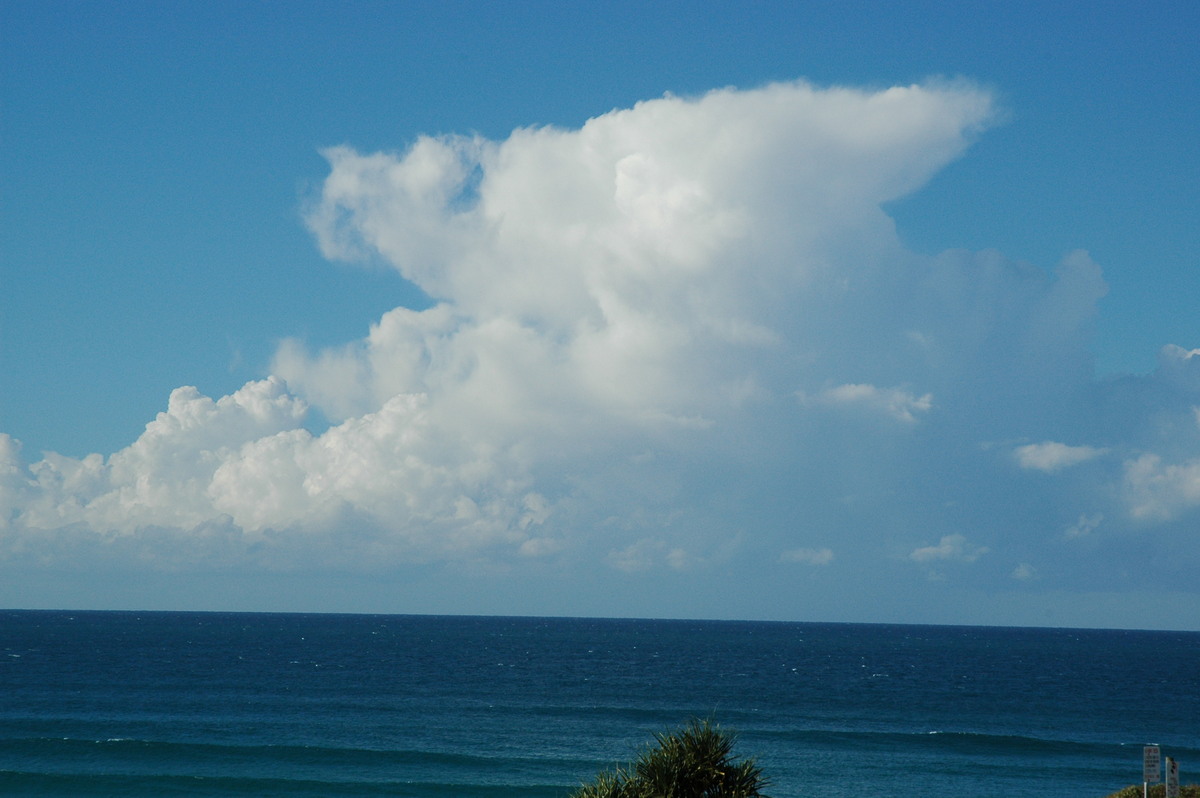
x=681, y=559
x=808, y=556
x=1052, y=456
x=541, y=547
x=641, y=555
x=625, y=263
x=162, y=478
x=894, y=403
x=1024, y=572
x=949, y=548
x=1158, y=491
x=622, y=317
x=14, y=484
x=1178, y=358
x=657, y=553
x=1086, y=525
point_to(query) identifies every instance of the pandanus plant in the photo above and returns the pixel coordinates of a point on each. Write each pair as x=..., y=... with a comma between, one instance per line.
x=695, y=762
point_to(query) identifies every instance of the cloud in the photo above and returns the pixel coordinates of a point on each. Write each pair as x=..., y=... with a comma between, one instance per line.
x=949, y=548
x=894, y=403
x=622, y=316
x=1024, y=572
x=540, y=547
x=808, y=556
x=1086, y=525
x=1051, y=456
x=14, y=485
x=632, y=263
x=164, y=477
x=1161, y=491
x=641, y=555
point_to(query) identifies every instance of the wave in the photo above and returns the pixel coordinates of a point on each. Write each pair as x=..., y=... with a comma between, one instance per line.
x=963, y=741
x=315, y=755
x=25, y=783
x=136, y=767
x=140, y=767
x=959, y=742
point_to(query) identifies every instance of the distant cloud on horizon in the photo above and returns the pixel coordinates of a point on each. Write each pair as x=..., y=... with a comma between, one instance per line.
x=655, y=342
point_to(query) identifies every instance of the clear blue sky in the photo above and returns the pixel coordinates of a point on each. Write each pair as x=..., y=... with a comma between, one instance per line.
x=162, y=225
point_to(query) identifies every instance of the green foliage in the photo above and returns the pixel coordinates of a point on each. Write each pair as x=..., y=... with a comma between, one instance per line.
x=695, y=762
x=1157, y=791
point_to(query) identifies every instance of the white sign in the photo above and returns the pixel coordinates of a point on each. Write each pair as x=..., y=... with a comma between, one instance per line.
x=1150, y=762
x=1172, y=778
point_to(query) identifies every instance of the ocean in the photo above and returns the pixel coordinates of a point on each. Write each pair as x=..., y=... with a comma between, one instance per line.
x=218, y=704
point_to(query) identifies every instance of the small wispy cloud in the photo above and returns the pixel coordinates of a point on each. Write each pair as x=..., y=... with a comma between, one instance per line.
x=540, y=547
x=1086, y=525
x=1051, y=456
x=1024, y=572
x=638, y=556
x=895, y=403
x=949, y=548
x=808, y=556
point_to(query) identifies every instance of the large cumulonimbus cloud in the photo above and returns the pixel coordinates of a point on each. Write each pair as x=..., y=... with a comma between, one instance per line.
x=684, y=330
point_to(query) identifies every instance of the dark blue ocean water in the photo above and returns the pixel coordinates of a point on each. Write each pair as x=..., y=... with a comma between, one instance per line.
x=153, y=704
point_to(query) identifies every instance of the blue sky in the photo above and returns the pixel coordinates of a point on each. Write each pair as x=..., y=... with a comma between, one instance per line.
x=917, y=375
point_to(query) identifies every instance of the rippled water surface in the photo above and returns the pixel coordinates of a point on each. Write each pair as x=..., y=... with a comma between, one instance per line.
x=113, y=703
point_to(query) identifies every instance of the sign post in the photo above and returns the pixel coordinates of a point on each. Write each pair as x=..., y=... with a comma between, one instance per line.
x=1151, y=757
x=1172, y=778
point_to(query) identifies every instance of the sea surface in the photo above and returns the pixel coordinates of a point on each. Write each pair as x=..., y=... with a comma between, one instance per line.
x=214, y=704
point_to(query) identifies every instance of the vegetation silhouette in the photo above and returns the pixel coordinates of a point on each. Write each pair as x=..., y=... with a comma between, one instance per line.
x=1156, y=791
x=694, y=762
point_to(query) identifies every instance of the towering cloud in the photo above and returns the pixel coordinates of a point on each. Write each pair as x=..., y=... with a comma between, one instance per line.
x=683, y=333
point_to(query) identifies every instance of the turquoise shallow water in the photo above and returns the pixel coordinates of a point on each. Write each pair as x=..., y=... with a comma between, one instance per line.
x=150, y=704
